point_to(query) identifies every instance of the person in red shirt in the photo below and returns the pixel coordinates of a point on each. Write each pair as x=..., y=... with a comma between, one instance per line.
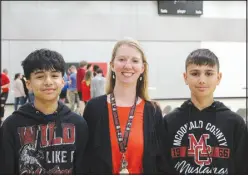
x=86, y=84
x=80, y=77
x=4, y=92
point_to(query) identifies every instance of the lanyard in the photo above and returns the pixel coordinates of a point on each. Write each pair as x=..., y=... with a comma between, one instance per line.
x=122, y=141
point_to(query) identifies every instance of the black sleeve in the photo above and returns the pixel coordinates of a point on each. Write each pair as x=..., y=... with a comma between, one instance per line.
x=87, y=157
x=241, y=149
x=168, y=146
x=163, y=162
x=7, y=151
x=82, y=140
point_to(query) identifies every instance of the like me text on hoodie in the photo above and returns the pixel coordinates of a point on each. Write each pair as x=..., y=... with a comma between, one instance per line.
x=210, y=141
x=33, y=143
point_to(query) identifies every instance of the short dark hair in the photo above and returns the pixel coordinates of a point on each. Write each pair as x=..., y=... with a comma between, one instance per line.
x=88, y=66
x=43, y=59
x=17, y=75
x=202, y=57
x=99, y=70
x=95, y=67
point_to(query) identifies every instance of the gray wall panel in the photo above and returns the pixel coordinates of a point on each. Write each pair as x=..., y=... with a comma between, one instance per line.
x=35, y=21
x=88, y=30
x=191, y=29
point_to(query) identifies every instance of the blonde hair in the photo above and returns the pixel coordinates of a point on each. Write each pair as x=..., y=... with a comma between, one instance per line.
x=87, y=77
x=142, y=85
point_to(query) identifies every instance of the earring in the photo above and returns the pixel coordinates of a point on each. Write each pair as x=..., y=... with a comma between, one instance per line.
x=113, y=76
x=140, y=78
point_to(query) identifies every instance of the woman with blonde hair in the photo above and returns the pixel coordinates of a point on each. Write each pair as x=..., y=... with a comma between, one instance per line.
x=126, y=130
x=86, y=85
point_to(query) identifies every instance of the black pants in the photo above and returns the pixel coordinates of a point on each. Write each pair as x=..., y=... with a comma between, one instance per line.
x=3, y=97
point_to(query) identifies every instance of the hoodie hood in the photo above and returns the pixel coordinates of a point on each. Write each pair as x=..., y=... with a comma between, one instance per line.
x=46, y=144
x=29, y=111
x=216, y=106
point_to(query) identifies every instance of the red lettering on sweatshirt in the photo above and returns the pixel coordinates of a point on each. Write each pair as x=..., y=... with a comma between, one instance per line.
x=69, y=134
x=27, y=135
x=48, y=135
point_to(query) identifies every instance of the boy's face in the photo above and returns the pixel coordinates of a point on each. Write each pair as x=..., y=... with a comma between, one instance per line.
x=202, y=80
x=46, y=85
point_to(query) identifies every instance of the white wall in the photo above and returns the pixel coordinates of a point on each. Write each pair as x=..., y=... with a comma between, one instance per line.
x=232, y=58
x=89, y=29
x=224, y=9
x=111, y=20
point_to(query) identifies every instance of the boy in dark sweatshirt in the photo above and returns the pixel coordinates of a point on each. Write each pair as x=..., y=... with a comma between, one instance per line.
x=205, y=136
x=43, y=137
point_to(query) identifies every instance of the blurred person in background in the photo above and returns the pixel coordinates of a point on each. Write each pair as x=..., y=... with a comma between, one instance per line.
x=80, y=76
x=23, y=79
x=95, y=67
x=167, y=109
x=62, y=95
x=73, y=97
x=30, y=96
x=5, y=84
x=89, y=67
x=68, y=80
x=98, y=84
x=19, y=92
x=86, y=86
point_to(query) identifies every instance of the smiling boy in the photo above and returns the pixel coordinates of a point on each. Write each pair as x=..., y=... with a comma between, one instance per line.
x=205, y=136
x=43, y=137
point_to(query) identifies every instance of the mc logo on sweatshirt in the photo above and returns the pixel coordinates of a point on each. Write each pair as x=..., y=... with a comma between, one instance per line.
x=199, y=148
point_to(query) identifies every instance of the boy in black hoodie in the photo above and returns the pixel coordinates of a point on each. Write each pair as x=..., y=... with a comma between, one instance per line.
x=205, y=136
x=43, y=137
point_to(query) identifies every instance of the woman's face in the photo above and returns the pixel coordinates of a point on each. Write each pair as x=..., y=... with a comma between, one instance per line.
x=127, y=64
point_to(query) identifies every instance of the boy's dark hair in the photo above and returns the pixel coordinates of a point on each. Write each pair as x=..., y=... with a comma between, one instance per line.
x=99, y=70
x=95, y=67
x=202, y=57
x=88, y=66
x=43, y=59
x=17, y=75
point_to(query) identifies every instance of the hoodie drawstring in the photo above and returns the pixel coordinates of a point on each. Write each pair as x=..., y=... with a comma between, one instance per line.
x=187, y=133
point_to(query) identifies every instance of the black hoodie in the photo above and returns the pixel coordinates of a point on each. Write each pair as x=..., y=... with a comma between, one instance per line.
x=210, y=141
x=34, y=144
